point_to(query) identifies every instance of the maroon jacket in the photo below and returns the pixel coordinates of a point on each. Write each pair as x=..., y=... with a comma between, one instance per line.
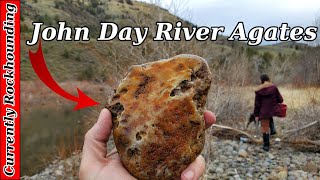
x=267, y=97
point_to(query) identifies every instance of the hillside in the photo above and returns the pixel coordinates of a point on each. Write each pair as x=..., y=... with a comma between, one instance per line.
x=76, y=60
x=291, y=44
x=94, y=60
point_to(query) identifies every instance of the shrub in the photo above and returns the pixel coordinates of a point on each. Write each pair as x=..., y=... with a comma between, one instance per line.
x=129, y=2
x=230, y=105
x=78, y=58
x=267, y=56
x=86, y=74
x=68, y=1
x=45, y=50
x=100, y=10
x=66, y=53
x=94, y=3
x=108, y=16
x=250, y=52
x=58, y=4
x=56, y=18
x=24, y=28
x=46, y=19
x=91, y=10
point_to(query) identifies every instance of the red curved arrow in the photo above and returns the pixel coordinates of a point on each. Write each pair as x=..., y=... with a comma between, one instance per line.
x=39, y=66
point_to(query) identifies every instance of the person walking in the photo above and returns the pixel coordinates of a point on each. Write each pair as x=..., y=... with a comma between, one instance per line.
x=266, y=101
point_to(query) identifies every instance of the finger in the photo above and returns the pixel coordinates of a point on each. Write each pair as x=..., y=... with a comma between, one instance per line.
x=102, y=129
x=209, y=118
x=195, y=170
x=94, y=147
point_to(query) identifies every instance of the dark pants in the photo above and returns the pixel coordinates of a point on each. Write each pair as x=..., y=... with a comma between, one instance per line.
x=272, y=127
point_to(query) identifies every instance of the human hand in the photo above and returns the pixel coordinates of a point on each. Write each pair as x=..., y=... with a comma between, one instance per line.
x=257, y=119
x=97, y=164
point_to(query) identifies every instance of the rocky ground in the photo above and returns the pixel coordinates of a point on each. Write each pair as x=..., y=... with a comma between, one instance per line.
x=59, y=169
x=229, y=160
x=237, y=160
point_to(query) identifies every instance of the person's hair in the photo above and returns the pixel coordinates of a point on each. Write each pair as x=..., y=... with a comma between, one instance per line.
x=264, y=78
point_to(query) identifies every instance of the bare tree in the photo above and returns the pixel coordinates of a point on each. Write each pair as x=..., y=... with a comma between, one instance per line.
x=176, y=7
x=180, y=8
x=156, y=2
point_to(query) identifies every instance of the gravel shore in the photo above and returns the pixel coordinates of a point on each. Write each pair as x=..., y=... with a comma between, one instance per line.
x=231, y=160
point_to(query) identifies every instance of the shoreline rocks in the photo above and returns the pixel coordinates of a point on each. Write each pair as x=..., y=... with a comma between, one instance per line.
x=225, y=163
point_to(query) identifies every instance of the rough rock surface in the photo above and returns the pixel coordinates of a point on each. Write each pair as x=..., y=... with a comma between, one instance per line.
x=157, y=114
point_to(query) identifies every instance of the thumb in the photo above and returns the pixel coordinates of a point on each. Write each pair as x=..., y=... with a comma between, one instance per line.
x=94, y=147
x=194, y=170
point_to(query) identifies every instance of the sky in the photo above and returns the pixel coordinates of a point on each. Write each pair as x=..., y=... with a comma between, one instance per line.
x=252, y=12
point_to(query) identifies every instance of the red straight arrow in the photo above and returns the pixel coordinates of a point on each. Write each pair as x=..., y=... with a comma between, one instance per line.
x=41, y=69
